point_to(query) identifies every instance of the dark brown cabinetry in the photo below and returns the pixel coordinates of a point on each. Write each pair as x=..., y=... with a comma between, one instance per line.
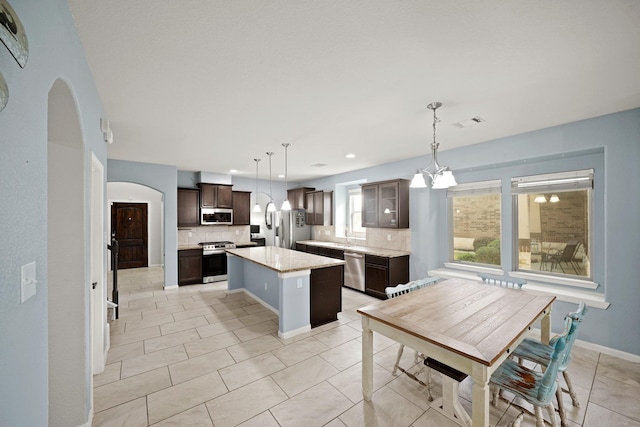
x=189, y=266
x=298, y=197
x=320, y=250
x=241, y=208
x=319, y=207
x=380, y=272
x=216, y=196
x=386, y=204
x=188, y=207
x=325, y=294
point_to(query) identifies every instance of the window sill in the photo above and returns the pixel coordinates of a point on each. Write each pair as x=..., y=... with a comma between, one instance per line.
x=534, y=284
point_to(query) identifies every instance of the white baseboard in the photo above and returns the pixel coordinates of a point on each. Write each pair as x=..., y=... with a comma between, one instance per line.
x=257, y=299
x=599, y=348
x=289, y=334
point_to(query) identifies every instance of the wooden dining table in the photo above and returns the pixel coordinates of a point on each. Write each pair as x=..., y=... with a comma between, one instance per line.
x=470, y=326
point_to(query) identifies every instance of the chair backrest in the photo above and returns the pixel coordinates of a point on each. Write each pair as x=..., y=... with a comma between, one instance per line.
x=569, y=250
x=396, y=291
x=502, y=281
x=571, y=328
x=546, y=389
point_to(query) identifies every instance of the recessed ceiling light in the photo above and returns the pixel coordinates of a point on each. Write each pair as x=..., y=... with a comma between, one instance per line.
x=233, y=170
x=280, y=176
x=319, y=165
x=350, y=156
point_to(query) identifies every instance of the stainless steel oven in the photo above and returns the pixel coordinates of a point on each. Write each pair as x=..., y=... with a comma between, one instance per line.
x=214, y=261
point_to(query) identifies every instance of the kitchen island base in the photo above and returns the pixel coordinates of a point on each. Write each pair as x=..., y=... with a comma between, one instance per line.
x=303, y=298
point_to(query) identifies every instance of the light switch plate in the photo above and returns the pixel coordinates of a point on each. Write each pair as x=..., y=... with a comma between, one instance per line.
x=28, y=281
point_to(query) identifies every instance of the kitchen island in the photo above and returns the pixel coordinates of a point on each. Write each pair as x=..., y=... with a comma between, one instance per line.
x=303, y=289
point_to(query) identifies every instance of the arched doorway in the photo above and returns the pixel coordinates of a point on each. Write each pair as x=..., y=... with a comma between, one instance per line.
x=129, y=192
x=68, y=291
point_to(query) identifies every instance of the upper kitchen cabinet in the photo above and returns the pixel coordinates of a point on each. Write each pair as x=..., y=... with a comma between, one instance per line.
x=241, y=208
x=298, y=197
x=188, y=207
x=216, y=196
x=319, y=207
x=386, y=204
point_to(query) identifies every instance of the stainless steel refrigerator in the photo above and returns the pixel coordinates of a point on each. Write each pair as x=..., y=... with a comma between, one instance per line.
x=292, y=227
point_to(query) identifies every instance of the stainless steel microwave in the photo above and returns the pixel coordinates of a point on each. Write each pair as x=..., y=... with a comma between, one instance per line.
x=216, y=216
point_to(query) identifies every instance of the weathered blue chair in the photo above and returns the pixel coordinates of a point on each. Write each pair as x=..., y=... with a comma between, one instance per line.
x=502, y=281
x=539, y=353
x=399, y=290
x=536, y=388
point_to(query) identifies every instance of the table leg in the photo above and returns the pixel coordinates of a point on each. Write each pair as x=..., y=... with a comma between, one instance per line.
x=367, y=359
x=545, y=327
x=480, y=396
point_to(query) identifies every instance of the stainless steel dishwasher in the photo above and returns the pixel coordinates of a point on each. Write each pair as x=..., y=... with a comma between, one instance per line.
x=354, y=270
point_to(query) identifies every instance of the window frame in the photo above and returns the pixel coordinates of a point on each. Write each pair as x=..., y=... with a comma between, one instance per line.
x=476, y=188
x=558, y=182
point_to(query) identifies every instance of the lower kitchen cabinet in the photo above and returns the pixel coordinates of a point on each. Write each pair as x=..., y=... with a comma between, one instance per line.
x=380, y=272
x=189, y=266
x=326, y=294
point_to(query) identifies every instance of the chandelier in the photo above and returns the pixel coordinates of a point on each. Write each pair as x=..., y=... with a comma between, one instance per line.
x=441, y=176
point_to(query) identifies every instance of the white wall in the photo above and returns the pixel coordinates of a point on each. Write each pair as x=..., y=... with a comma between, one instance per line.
x=125, y=192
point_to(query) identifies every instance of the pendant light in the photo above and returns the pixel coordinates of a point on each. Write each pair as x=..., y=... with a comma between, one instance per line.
x=256, y=207
x=441, y=176
x=286, y=206
x=271, y=207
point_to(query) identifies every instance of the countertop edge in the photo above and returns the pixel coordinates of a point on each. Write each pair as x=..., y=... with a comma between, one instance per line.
x=389, y=253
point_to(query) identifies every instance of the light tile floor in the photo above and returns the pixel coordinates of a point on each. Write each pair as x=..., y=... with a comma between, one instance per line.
x=197, y=356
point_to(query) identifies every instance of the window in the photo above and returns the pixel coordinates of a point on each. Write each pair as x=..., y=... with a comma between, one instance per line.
x=553, y=216
x=476, y=219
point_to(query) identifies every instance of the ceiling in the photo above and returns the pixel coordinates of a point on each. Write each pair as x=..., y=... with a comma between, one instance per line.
x=211, y=85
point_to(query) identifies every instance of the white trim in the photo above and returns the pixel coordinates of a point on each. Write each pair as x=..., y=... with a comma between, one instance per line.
x=535, y=332
x=555, y=280
x=473, y=268
x=592, y=299
x=289, y=334
x=171, y=287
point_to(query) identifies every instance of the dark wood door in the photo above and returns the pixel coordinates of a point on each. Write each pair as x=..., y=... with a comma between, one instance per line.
x=188, y=207
x=129, y=226
x=241, y=208
x=189, y=266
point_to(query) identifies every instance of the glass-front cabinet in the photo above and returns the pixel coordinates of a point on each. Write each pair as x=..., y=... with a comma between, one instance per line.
x=386, y=204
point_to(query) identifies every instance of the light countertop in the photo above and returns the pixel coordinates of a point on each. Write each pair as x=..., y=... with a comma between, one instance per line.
x=389, y=253
x=284, y=260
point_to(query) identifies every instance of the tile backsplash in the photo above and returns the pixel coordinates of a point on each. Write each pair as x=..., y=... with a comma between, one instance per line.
x=389, y=238
x=213, y=233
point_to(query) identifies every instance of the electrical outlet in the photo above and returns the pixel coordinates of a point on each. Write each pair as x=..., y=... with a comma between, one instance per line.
x=299, y=283
x=28, y=281
x=237, y=232
x=388, y=236
x=265, y=286
x=190, y=234
x=327, y=232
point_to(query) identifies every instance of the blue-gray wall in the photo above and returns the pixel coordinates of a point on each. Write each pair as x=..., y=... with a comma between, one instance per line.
x=54, y=52
x=609, y=144
x=164, y=179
